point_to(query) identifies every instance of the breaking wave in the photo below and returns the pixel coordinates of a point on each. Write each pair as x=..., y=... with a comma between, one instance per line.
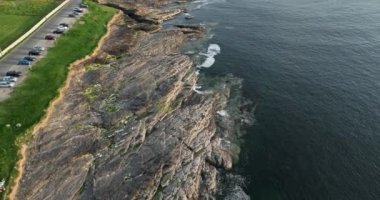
x=200, y=3
x=212, y=51
x=222, y=113
x=197, y=88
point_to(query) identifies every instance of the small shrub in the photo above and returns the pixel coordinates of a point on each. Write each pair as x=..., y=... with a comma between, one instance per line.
x=93, y=92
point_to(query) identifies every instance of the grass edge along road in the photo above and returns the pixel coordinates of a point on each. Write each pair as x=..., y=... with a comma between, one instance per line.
x=29, y=100
x=23, y=22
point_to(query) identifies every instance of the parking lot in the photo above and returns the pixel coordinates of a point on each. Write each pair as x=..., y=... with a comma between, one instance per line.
x=11, y=60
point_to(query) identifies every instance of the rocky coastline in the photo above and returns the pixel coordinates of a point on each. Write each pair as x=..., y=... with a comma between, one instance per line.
x=131, y=123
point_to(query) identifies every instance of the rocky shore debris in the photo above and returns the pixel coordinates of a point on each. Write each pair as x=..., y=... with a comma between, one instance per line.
x=195, y=30
x=188, y=16
x=144, y=12
x=130, y=125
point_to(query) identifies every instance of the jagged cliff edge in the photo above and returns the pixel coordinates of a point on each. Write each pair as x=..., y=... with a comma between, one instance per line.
x=130, y=124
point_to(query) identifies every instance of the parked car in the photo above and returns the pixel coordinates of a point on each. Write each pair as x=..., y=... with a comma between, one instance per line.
x=38, y=48
x=24, y=62
x=79, y=10
x=62, y=27
x=29, y=58
x=72, y=15
x=64, y=24
x=34, y=53
x=49, y=37
x=13, y=73
x=82, y=5
x=58, y=31
x=6, y=84
x=8, y=79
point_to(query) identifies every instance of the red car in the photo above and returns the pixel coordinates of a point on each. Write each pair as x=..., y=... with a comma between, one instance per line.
x=49, y=37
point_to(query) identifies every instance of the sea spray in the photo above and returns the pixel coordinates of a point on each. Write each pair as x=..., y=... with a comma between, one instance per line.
x=197, y=88
x=201, y=3
x=222, y=113
x=212, y=51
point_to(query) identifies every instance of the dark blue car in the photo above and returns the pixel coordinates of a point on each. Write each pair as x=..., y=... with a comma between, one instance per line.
x=29, y=58
x=24, y=62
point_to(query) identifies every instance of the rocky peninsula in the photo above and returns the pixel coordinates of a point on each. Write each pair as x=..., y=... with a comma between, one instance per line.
x=130, y=122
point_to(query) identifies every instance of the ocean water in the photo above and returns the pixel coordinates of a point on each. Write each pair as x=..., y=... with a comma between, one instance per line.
x=313, y=69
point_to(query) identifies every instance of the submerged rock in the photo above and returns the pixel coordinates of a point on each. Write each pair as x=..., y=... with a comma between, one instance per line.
x=194, y=30
x=237, y=194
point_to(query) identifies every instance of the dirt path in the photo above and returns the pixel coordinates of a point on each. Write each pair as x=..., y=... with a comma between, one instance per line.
x=74, y=68
x=20, y=169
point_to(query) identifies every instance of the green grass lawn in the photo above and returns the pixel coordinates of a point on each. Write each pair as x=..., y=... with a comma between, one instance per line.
x=18, y=16
x=29, y=100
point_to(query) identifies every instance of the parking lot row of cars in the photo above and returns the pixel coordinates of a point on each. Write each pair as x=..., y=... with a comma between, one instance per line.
x=11, y=76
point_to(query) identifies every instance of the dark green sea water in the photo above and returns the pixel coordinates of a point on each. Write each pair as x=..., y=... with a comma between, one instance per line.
x=313, y=68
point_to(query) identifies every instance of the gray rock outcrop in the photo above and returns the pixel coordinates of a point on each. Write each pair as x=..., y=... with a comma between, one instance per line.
x=130, y=126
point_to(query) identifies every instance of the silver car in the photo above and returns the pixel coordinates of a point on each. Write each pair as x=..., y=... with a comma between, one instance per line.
x=6, y=84
x=39, y=48
x=8, y=79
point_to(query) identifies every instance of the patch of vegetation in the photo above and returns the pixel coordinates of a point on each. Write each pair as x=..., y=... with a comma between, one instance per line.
x=162, y=106
x=29, y=100
x=126, y=119
x=92, y=92
x=27, y=7
x=109, y=104
x=78, y=127
x=18, y=16
x=105, y=133
x=92, y=67
x=158, y=194
x=111, y=58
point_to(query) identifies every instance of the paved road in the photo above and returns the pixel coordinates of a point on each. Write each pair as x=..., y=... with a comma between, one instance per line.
x=9, y=61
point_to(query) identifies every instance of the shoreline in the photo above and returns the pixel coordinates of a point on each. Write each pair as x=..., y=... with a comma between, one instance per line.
x=24, y=147
x=20, y=168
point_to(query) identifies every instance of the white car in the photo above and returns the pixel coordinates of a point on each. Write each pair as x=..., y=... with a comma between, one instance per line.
x=62, y=28
x=39, y=48
x=8, y=78
x=6, y=84
x=78, y=10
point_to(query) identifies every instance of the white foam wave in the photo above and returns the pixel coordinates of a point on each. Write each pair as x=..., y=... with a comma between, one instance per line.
x=196, y=89
x=203, y=92
x=198, y=7
x=212, y=50
x=207, y=63
x=222, y=113
x=189, y=52
x=202, y=3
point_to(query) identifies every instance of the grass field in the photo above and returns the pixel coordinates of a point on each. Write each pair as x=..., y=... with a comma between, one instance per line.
x=29, y=100
x=18, y=16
